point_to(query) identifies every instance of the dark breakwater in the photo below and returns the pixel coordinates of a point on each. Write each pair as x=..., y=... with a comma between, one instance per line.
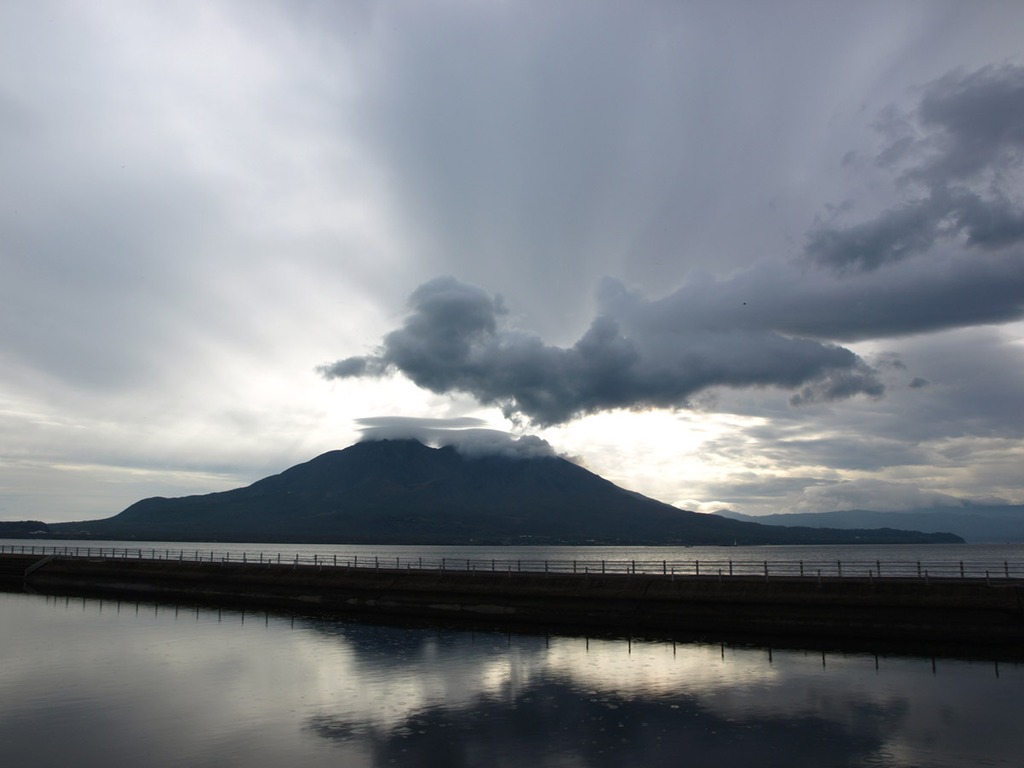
x=967, y=612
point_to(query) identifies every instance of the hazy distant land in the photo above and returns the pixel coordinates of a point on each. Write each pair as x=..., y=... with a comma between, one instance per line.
x=975, y=523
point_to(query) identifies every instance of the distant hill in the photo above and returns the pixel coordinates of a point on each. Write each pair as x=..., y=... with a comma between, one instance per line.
x=974, y=523
x=403, y=492
x=22, y=528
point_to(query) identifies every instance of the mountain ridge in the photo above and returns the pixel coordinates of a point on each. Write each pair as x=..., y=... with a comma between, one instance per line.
x=975, y=523
x=403, y=492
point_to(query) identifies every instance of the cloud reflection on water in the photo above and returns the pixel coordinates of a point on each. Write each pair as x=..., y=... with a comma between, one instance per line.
x=578, y=701
x=205, y=686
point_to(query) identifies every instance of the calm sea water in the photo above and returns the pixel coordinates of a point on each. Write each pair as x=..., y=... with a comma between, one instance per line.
x=991, y=555
x=100, y=683
x=88, y=682
x=857, y=560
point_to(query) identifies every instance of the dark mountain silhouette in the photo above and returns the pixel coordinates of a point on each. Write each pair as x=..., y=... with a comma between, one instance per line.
x=975, y=523
x=21, y=528
x=403, y=492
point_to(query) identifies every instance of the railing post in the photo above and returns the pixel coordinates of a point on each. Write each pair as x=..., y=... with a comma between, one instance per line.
x=696, y=566
x=961, y=569
x=839, y=567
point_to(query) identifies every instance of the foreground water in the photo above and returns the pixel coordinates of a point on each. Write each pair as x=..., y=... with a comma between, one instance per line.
x=97, y=683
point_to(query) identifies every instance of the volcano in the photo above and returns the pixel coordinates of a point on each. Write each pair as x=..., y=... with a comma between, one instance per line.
x=404, y=492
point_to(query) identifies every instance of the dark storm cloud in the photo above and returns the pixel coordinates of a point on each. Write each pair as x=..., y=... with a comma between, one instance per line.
x=951, y=290
x=980, y=116
x=894, y=235
x=773, y=324
x=839, y=385
x=913, y=228
x=963, y=148
x=456, y=338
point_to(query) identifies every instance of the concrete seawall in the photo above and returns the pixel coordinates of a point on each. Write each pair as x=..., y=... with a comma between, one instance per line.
x=966, y=612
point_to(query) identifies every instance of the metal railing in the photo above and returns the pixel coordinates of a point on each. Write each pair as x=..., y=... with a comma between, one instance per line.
x=721, y=568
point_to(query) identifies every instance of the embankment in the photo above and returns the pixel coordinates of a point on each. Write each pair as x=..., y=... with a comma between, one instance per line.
x=967, y=612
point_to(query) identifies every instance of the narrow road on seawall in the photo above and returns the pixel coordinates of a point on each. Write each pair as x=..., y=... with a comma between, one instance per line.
x=968, y=612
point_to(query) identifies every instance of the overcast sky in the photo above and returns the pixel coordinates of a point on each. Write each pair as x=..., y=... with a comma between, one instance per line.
x=759, y=256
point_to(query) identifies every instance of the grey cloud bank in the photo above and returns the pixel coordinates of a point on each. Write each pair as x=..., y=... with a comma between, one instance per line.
x=744, y=250
x=454, y=340
x=963, y=147
x=952, y=259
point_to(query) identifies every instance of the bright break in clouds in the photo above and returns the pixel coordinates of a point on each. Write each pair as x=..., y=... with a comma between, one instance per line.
x=763, y=256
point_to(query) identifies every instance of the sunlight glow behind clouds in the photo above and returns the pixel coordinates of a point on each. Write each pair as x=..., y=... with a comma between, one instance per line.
x=202, y=205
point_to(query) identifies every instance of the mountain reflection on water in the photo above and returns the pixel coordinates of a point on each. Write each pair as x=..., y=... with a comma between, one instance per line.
x=129, y=683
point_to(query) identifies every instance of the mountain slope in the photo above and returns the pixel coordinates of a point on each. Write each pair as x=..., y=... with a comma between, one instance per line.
x=401, y=491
